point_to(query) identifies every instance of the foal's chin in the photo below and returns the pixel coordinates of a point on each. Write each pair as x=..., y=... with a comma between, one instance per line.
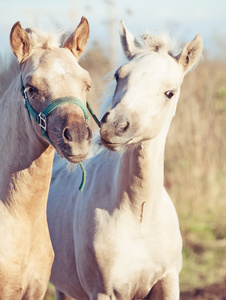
x=75, y=154
x=114, y=146
x=76, y=158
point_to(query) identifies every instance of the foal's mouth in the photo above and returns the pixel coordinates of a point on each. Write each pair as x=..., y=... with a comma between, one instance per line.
x=72, y=157
x=76, y=158
x=114, y=146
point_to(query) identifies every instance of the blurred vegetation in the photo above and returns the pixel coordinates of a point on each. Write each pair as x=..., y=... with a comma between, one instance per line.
x=195, y=173
x=195, y=168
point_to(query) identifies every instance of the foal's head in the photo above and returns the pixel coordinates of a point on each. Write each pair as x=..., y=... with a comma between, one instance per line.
x=147, y=89
x=49, y=72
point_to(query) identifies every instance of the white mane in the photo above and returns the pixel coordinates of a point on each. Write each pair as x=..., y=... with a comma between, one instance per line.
x=164, y=43
x=161, y=43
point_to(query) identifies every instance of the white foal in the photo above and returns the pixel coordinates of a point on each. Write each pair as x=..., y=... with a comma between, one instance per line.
x=120, y=238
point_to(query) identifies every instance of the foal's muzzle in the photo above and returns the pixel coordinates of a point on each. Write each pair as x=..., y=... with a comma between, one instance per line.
x=115, y=130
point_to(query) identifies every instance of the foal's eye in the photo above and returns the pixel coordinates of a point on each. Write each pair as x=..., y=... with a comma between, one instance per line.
x=88, y=87
x=169, y=94
x=116, y=77
x=31, y=90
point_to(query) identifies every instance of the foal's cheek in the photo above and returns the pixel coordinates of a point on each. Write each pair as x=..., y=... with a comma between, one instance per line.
x=153, y=127
x=37, y=130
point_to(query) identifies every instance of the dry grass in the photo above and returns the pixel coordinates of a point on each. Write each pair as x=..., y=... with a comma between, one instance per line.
x=195, y=173
x=196, y=145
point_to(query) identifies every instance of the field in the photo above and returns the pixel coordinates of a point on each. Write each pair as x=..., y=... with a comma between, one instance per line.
x=195, y=172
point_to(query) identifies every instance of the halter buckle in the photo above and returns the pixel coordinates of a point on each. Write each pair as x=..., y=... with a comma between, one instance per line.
x=42, y=121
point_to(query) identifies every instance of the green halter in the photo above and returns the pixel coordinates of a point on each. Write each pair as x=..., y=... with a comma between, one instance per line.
x=40, y=118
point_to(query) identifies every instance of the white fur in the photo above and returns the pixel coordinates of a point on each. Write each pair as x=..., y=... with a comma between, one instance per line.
x=58, y=67
x=120, y=237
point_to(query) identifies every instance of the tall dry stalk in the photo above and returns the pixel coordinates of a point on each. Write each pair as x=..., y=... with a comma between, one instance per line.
x=196, y=147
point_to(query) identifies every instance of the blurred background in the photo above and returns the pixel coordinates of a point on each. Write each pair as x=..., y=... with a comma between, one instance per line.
x=195, y=155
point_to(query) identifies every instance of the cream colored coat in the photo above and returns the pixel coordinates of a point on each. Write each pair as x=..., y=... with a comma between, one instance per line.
x=26, y=253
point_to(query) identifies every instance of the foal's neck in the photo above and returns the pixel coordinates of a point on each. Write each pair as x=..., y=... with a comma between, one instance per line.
x=141, y=174
x=26, y=162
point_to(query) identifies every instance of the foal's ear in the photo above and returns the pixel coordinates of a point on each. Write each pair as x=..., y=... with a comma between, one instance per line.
x=129, y=43
x=78, y=40
x=191, y=53
x=20, y=42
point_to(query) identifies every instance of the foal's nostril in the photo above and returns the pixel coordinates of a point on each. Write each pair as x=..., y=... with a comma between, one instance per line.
x=67, y=135
x=104, y=118
x=122, y=128
x=89, y=133
x=79, y=134
x=126, y=126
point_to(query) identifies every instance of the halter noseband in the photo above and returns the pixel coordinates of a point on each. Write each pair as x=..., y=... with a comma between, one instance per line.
x=40, y=118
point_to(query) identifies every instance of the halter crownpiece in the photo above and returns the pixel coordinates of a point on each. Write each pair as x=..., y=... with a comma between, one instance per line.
x=41, y=118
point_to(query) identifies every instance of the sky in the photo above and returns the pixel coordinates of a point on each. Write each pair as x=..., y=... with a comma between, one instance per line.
x=181, y=18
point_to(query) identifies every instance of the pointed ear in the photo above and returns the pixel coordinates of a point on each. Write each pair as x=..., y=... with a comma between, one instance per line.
x=20, y=42
x=78, y=40
x=129, y=43
x=191, y=53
